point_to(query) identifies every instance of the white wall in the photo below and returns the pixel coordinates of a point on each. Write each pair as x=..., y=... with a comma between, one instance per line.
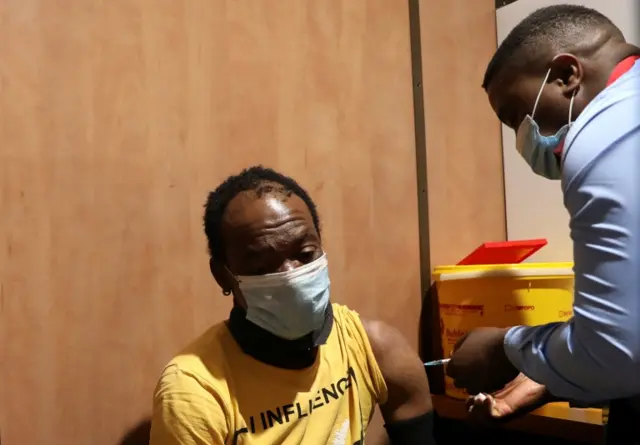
x=534, y=205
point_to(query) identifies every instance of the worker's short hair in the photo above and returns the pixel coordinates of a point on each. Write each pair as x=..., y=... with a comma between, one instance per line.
x=559, y=27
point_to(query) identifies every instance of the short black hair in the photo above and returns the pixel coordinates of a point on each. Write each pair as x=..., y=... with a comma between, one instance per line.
x=559, y=26
x=259, y=179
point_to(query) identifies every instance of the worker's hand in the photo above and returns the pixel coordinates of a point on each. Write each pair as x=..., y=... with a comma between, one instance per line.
x=479, y=363
x=518, y=397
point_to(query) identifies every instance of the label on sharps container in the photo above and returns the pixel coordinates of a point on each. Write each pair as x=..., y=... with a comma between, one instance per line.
x=565, y=314
x=452, y=335
x=519, y=307
x=461, y=309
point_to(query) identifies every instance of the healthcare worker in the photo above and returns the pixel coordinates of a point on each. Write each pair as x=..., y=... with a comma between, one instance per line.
x=566, y=80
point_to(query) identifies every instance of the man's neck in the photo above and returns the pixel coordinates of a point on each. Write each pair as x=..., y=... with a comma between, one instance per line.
x=609, y=58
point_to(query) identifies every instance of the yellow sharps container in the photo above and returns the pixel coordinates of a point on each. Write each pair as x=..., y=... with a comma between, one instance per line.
x=500, y=295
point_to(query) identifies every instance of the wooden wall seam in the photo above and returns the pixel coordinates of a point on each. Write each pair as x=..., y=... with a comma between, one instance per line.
x=420, y=144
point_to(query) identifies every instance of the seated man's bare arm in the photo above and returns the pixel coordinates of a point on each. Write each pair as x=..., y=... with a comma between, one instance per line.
x=408, y=410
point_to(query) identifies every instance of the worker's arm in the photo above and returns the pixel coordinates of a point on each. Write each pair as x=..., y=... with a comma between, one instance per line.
x=184, y=413
x=408, y=409
x=596, y=355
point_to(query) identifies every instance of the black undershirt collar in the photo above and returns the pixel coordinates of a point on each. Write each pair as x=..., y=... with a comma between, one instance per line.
x=263, y=346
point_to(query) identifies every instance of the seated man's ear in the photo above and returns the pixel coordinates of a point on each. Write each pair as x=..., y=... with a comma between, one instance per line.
x=222, y=276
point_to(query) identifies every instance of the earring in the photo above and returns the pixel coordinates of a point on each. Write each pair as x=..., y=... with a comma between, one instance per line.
x=226, y=292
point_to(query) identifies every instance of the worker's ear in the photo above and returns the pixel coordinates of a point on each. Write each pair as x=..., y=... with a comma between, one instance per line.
x=568, y=73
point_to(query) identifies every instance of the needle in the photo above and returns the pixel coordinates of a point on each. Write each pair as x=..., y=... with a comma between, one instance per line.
x=444, y=361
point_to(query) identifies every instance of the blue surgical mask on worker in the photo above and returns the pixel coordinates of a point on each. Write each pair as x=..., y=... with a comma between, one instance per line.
x=288, y=304
x=539, y=150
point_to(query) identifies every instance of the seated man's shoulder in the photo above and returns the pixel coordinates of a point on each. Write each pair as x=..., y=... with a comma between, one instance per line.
x=350, y=325
x=200, y=365
x=191, y=400
x=380, y=335
x=385, y=340
x=403, y=388
x=343, y=315
x=375, y=338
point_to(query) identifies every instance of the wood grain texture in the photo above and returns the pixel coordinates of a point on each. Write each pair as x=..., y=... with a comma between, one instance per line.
x=117, y=118
x=464, y=154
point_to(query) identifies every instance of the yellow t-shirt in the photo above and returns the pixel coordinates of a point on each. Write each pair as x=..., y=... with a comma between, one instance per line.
x=214, y=394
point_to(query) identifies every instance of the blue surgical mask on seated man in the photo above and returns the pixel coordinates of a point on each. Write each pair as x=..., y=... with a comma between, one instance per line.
x=538, y=150
x=288, y=304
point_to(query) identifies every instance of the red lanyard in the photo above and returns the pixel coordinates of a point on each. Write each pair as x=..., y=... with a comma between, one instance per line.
x=621, y=69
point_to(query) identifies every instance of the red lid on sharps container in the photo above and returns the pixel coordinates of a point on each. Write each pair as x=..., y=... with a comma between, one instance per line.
x=505, y=252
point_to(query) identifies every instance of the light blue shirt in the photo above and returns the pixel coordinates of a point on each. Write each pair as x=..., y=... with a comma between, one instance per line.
x=595, y=356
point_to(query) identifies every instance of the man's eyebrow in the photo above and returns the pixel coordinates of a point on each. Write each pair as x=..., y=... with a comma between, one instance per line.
x=254, y=253
x=260, y=245
x=256, y=247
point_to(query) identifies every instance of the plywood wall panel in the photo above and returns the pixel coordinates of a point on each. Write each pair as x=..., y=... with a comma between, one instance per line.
x=463, y=141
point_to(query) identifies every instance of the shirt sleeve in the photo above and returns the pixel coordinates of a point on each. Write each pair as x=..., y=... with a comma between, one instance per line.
x=373, y=379
x=596, y=355
x=185, y=413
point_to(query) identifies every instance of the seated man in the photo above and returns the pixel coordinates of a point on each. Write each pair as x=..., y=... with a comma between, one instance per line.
x=288, y=366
